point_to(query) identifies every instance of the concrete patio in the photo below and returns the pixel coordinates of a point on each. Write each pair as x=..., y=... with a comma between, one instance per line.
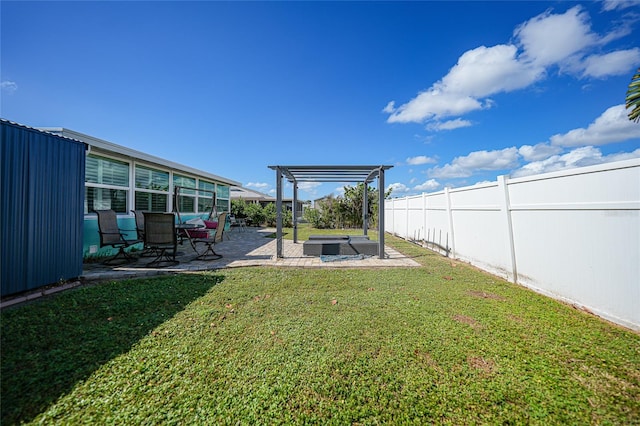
x=250, y=246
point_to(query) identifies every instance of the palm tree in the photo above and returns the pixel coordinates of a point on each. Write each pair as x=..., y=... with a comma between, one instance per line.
x=633, y=98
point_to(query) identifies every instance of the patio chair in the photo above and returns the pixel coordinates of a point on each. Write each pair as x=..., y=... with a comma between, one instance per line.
x=209, y=253
x=139, y=215
x=112, y=235
x=227, y=226
x=160, y=236
x=236, y=223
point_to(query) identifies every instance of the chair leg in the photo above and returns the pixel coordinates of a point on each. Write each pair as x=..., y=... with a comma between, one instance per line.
x=148, y=252
x=164, y=258
x=121, y=258
x=209, y=253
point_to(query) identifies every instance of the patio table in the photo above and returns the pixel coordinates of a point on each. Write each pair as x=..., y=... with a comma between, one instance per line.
x=183, y=231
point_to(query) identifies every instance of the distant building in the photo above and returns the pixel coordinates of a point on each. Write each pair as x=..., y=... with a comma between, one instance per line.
x=251, y=196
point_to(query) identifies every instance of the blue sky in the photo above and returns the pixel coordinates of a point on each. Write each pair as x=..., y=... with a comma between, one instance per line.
x=449, y=93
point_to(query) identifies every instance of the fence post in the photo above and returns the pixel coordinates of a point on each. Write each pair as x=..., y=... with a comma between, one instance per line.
x=406, y=223
x=505, y=208
x=424, y=216
x=450, y=220
x=392, y=207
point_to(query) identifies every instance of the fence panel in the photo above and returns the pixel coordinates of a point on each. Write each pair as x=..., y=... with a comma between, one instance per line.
x=573, y=235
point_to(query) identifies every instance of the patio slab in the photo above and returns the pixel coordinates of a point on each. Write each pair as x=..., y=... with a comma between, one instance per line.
x=250, y=247
x=240, y=248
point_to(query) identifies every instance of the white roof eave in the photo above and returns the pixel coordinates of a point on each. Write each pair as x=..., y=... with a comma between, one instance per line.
x=110, y=147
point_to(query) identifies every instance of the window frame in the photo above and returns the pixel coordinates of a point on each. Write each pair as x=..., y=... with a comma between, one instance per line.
x=90, y=210
x=222, y=190
x=166, y=193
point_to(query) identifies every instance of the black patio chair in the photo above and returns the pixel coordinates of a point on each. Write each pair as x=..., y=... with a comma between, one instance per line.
x=139, y=215
x=160, y=236
x=112, y=235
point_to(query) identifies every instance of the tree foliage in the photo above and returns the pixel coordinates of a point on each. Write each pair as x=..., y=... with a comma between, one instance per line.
x=259, y=215
x=346, y=211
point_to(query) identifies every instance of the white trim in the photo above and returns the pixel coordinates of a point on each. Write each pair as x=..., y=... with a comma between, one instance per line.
x=110, y=147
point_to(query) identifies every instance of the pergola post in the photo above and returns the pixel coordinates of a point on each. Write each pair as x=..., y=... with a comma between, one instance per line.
x=294, y=212
x=365, y=202
x=279, y=249
x=381, y=213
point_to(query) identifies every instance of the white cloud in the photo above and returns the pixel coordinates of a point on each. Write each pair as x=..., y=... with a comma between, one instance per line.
x=397, y=188
x=614, y=63
x=538, y=152
x=621, y=156
x=579, y=157
x=450, y=171
x=608, y=5
x=420, y=159
x=612, y=126
x=485, y=71
x=259, y=185
x=9, y=87
x=432, y=103
x=309, y=187
x=458, y=123
x=390, y=108
x=547, y=40
x=428, y=185
x=479, y=160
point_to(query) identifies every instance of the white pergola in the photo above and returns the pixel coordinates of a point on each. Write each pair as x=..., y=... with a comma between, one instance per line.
x=342, y=174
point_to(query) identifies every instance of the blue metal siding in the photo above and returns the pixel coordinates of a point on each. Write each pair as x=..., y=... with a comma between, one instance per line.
x=42, y=181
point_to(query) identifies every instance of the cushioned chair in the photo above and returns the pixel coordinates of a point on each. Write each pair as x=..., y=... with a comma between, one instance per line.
x=112, y=235
x=160, y=236
x=209, y=253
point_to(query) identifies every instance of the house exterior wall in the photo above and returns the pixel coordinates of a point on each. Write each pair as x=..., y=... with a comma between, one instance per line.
x=123, y=179
x=42, y=181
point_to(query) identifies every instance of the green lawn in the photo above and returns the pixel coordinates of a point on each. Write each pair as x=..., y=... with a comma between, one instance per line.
x=304, y=230
x=444, y=343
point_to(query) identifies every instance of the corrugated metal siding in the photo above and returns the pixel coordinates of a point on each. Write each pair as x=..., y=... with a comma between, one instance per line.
x=42, y=181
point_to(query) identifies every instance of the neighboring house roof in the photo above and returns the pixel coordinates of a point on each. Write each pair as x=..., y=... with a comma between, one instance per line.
x=102, y=146
x=238, y=192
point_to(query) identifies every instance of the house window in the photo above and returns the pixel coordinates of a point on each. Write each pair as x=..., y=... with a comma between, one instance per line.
x=223, y=191
x=106, y=184
x=205, y=199
x=152, y=189
x=187, y=199
x=223, y=206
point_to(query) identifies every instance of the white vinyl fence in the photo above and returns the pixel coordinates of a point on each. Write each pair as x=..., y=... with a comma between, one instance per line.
x=572, y=235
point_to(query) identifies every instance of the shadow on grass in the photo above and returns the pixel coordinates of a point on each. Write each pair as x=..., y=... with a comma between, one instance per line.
x=50, y=345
